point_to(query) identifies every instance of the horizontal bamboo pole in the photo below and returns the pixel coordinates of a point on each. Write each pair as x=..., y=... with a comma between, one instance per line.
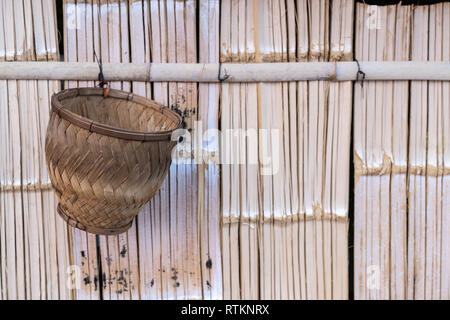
x=235, y=72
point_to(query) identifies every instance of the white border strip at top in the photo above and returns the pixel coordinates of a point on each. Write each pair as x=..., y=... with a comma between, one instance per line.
x=229, y=72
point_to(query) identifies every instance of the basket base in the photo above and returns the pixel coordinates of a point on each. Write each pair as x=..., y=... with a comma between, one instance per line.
x=103, y=231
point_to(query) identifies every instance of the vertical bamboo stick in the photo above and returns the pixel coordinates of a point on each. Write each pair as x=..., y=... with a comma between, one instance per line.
x=3, y=146
x=335, y=203
x=445, y=227
x=400, y=158
x=359, y=157
x=49, y=244
x=193, y=232
x=315, y=155
x=176, y=233
x=31, y=209
x=60, y=231
x=186, y=275
x=434, y=161
x=248, y=169
x=292, y=162
x=253, y=176
x=417, y=162
x=208, y=175
x=282, y=205
x=163, y=281
x=302, y=133
x=4, y=141
x=340, y=277
x=271, y=207
x=16, y=52
x=229, y=253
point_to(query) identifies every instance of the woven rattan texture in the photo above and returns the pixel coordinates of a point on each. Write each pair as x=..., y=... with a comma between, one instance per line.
x=102, y=181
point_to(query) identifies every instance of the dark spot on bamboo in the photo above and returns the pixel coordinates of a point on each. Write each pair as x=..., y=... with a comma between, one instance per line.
x=123, y=252
x=83, y=254
x=152, y=283
x=175, y=274
x=121, y=280
x=104, y=280
x=208, y=263
x=87, y=281
x=208, y=284
x=96, y=282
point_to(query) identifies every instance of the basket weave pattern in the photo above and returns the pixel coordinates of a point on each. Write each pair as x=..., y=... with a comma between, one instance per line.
x=103, y=174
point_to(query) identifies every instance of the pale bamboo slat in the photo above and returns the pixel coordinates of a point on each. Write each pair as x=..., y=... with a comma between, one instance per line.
x=208, y=173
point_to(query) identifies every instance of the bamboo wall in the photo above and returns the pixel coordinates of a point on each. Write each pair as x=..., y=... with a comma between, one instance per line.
x=269, y=217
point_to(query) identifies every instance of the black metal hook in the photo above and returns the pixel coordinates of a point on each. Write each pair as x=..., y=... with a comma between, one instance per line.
x=360, y=72
x=101, y=77
x=225, y=76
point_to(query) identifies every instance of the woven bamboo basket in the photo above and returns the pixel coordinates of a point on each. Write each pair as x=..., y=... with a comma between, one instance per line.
x=107, y=157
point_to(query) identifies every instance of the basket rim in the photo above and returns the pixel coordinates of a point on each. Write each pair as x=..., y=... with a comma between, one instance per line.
x=107, y=130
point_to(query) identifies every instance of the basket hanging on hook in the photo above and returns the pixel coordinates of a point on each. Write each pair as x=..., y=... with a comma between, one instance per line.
x=107, y=155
